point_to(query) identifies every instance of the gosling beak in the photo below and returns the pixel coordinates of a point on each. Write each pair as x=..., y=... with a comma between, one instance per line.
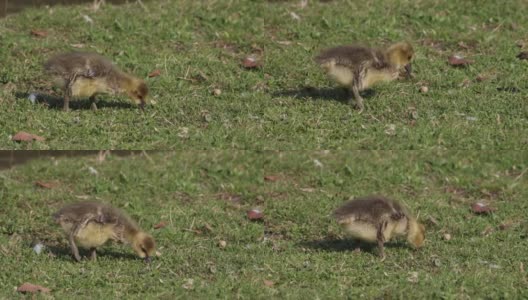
x=148, y=259
x=408, y=70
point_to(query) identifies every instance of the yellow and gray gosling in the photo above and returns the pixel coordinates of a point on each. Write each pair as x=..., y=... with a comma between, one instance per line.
x=91, y=224
x=86, y=74
x=378, y=219
x=358, y=68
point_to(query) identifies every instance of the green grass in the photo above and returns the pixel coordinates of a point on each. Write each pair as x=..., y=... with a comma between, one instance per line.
x=297, y=246
x=288, y=103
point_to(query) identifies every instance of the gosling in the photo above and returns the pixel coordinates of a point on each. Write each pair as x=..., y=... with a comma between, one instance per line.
x=378, y=219
x=358, y=68
x=91, y=224
x=86, y=74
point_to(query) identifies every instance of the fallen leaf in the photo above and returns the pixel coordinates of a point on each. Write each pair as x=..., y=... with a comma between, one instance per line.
x=487, y=231
x=207, y=227
x=506, y=224
x=432, y=220
x=32, y=288
x=217, y=92
x=413, y=277
x=457, y=60
x=46, y=185
x=271, y=178
x=222, y=244
x=38, y=248
x=39, y=33
x=160, y=225
x=446, y=236
x=523, y=55
x=154, y=73
x=481, y=208
x=465, y=83
x=268, y=283
x=189, y=284
x=413, y=114
x=206, y=116
x=183, y=132
x=26, y=137
x=318, y=163
x=390, y=129
x=88, y=19
x=437, y=262
x=251, y=62
x=255, y=214
x=92, y=171
x=295, y=16
x=424, y=89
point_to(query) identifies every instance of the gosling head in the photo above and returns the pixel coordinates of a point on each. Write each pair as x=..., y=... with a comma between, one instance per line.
x=137, y=90
x=400, y=55
x=144, y=245
x=416, y=234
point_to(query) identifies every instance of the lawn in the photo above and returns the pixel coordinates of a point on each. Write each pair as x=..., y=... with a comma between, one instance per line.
x=297, y=251
x=287, y=103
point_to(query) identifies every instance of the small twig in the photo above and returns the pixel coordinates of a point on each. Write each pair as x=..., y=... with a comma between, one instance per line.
x=147, y=156
x=142, y=5
x=520, y=175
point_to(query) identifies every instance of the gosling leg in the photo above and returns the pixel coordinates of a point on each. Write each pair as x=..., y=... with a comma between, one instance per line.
x=381, y=240
x=68, y=94
x=93, y=254
x=93, y=101
x=73, y=246
x=359, y=100
x=66, y=105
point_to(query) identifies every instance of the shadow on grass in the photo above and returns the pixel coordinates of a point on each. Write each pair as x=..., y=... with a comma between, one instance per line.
x=329, y=94
x=64, y=253
x=53, y=102
x=348, y=245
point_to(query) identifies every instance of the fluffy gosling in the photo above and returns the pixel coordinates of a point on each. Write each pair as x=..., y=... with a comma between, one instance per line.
x=91, y=224
x=358, y=68
x=378, y=219
x=85, y=74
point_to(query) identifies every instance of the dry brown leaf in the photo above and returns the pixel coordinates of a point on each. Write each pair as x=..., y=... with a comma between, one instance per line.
x=154, y=73
x=523, y=55
x=251, y=62
x=255, y=214
x=482, y=77
x=506, y=224
x=46, y=185
x=271, y=178
x=39, y=33
x=457, y=60
x=32, y=288
x=160, y=225
x=481, y=208
x=23, y=136
x=268, y=283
